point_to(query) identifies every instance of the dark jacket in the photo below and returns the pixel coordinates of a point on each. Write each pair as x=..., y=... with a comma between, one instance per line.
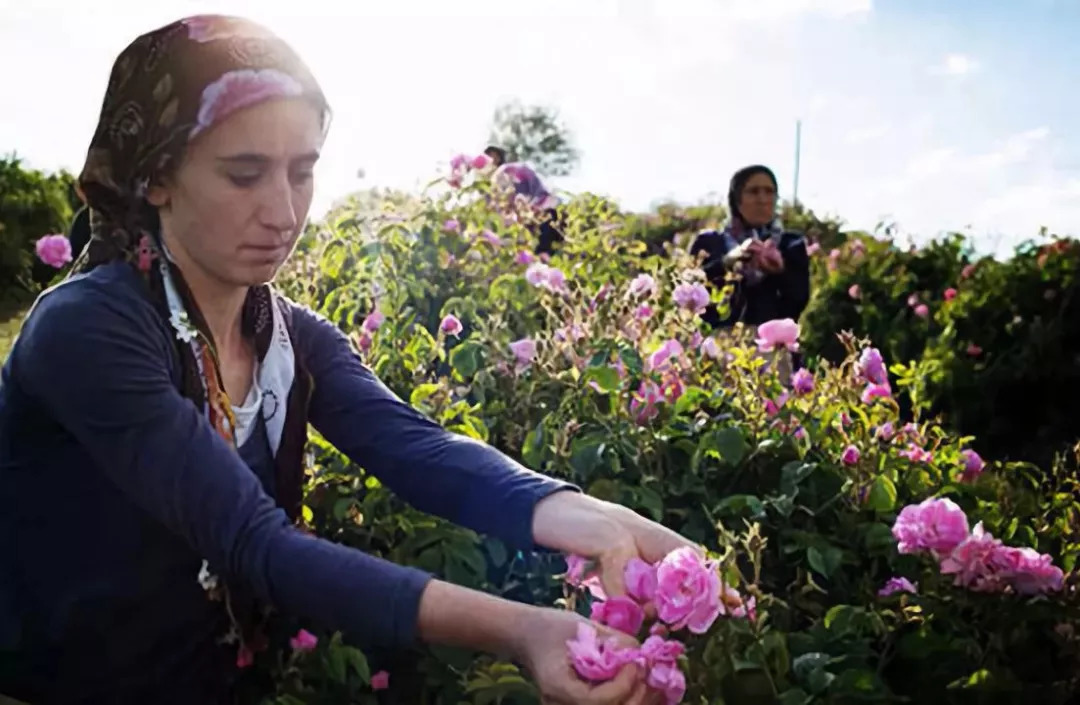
x=782, y=295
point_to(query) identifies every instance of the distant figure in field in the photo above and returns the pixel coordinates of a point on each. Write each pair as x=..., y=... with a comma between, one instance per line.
x=773, y=264
x=526, y=183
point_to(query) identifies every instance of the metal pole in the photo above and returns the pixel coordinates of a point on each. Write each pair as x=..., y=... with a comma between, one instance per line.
x=798, y=149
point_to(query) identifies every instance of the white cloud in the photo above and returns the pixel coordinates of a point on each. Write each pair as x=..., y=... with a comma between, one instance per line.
x=956, y=65
x=867, y=134
x=1014, y=149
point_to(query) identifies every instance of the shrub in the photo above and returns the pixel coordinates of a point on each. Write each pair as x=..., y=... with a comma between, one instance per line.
x=795, y=493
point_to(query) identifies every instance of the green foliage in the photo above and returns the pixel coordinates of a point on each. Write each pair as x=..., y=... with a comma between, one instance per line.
x=764, y=489
x=32, y=204
x=536, y=135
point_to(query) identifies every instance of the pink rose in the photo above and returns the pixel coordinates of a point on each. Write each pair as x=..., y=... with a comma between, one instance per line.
x=970, y=561
x=525, y=257
x=950, y=294
x=895, y=585
x=687, y=591
x=936, y=525
x=872, y=366
x=913, y=300
x=916, y=454
x=575, y=569
x=782, y=333
x=619, y=613
x=1031, y=572
x=709, y=348
x=668, y=679
x=491, y=238
x=594, y=659
x=373, y=322
x=922, y=311
x=885, y=431
x=543, y=276
x=303, y=641
x=640, y=580
x=873, y=391
x=656, y=649
x=643, y=285
x=524, y=351
x=451, y=325
x=458, y=162
x=241, y=88
x=53, y=250
x=802, y=382
x=813, y=248
x=973, y=466
x=967, y=271
x=850, y=456
x=643, y=404
x=974, y=350
x=691, y=297
x=380, y=680
x=364, y=341
x=245, y=657
x=643, y=312
x=452, y=225
x=660, y=360
x=480, y=161
x=854, y=291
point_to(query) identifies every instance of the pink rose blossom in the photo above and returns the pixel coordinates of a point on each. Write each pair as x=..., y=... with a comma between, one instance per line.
x=782, y=333
x=970, y=561
x=458, y=162
x=575, y=569
x=596, y=659
x=709, y=348
x=813, y=248
x=872, y=366
x=245, y=657
x=1030, y=572
x=854, y=291
x=239, y=89
x=53, y=250
x=303, y=641
x=451, y=325
x=643, y=285
x=936, y=525
x=913, y=300
x=802, y=382
x=380, y=680
x=643, y=312
x=491, y=238
x=640, y=580
x=688, y=591
x=916, y=454
x=619, y=613
x=691, y=297
x=974, y=350
x=660, y=360
x=874, y=391
x=967, y=271
x=374, y=321
x=850, y=456
x=524, y=351
x=922, y=311
x=525, y=257
x=950, y=294
x=546, y=277
x=643, y=405
x=480, y=161
x=973, y=466
x=895, y=585
x=656, y=649
x=364, y=341
x=668, y=679
x=452, y=225
x=885, y=431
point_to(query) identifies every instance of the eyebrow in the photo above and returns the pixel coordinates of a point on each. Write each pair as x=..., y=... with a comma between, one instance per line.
x=253, y=159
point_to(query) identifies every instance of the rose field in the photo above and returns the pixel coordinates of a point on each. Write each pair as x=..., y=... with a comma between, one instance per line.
x=897, y=522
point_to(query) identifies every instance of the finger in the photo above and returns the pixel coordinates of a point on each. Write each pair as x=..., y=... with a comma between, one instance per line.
x=640, y=696
x=618, y=690
x=613, y=572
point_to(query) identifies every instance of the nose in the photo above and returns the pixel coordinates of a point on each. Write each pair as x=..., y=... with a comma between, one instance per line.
x=278, y=209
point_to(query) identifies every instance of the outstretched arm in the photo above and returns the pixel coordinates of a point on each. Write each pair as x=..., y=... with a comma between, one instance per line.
x=437, y=471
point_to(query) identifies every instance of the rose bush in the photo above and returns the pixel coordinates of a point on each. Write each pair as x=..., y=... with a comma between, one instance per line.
x=590, y=367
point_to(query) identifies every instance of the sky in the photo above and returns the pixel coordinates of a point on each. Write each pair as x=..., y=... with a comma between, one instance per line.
x=933, y=116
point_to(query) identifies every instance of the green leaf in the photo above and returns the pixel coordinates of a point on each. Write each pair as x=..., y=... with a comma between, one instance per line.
x=795, y=696
x=738, y=503
x=605, y=377
x=691, y=398
x=355, y=658
x=342, y=506
x=307, y=514
x=335, y=664
x=422, y=392
x=824, y=560
x=879, y=538
x=792, y=474
x=804, y=664
x=882, y=497
x=727, y=444
x=533, y=451
x=586, y=453
x=632, y=360
x=466, y=359
x=650, y=500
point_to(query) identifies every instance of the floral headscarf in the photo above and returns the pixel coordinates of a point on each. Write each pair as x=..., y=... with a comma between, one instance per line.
x=166, y=88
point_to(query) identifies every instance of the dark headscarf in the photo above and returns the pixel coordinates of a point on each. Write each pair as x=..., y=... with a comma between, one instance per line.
x=738, y=183
x=166, y=88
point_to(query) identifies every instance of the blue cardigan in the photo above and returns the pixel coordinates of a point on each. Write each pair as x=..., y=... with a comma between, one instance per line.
x=114, y=487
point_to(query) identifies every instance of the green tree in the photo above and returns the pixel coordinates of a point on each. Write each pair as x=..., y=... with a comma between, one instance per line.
x=535, y=134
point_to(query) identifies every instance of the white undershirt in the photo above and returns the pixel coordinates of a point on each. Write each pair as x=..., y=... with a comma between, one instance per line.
x=248, y=413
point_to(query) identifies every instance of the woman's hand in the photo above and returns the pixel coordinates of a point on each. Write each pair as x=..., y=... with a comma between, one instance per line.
x=542, y=650
x=768, y=258
x=608, y=533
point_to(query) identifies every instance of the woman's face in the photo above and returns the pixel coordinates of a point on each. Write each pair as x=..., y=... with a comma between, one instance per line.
x=240, y=196
x=757, y=202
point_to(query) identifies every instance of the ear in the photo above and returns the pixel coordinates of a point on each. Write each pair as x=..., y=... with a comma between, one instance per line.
x=157, y=195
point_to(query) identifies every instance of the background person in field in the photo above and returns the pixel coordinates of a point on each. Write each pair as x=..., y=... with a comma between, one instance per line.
x=523, y=181
x=154, y=415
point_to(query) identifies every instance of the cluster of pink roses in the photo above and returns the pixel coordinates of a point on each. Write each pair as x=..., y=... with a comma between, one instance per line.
x=684, y=591
x=978, y=561
x=462, y=164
